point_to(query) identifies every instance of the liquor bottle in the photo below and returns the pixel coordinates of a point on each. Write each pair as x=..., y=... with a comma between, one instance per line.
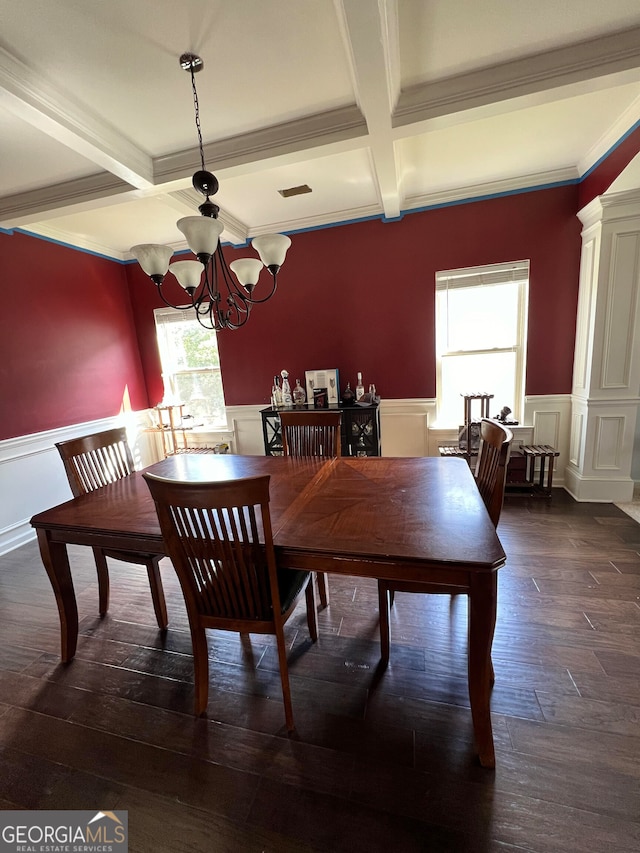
x=276, y=393
x=347, y=396
x=359, y=388
x=286, y=388
x=299, y=396
x=372, y=392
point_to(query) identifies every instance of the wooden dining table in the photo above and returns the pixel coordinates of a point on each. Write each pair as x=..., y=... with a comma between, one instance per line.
x=418, y=519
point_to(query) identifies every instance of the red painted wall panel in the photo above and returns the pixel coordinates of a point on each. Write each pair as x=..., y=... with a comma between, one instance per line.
x=361, y=297
x=68, y=348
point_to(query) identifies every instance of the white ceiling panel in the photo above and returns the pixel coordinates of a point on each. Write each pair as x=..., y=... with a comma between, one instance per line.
x=30, y=159
x=342, y=187
x=440, y=38
x=537, y=141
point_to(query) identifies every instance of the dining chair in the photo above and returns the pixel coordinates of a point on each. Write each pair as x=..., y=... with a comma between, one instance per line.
x=218, y=536
x=90, y=462
x=490, y=477
x=312, y=432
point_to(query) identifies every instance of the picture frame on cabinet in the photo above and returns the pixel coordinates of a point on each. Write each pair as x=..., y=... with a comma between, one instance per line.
x=329, y=379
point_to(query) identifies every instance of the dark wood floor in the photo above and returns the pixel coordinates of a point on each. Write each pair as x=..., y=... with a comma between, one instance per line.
x=378, y=763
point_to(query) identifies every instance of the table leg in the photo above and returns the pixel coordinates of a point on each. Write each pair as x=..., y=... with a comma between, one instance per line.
x=482, y=619
x=56, y=562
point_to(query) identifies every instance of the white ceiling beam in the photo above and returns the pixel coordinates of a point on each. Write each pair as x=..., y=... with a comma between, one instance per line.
x=538, y=78
x=281, y=144
x=88, y=193
x=370, y=32
x=36, y=101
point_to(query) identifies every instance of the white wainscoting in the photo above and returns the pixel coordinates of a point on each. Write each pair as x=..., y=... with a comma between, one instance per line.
x=32, y=477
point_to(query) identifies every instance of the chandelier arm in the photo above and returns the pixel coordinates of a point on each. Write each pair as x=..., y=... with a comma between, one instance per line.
x=238, y=290
x=254, y=301
x=212, y=326
x=209, y=303
x=241, y=318
x=210, y=287
x=170, y=304
x=230, y=281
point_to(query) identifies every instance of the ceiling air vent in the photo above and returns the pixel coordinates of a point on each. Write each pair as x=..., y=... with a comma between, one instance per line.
x=301, y=190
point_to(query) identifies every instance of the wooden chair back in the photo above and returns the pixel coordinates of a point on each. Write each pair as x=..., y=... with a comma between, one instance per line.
x=311, y=433
x=491, y=466
x=218, y=536
x=96, y=460
x=90, y=462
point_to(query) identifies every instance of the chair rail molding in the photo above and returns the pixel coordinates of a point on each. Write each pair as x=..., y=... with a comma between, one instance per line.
x=33, y=477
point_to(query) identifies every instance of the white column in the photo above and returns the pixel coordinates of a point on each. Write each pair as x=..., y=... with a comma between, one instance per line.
x=606, y=371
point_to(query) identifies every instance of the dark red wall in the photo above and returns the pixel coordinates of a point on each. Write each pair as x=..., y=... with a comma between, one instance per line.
x=355, y=297
x=68, y=346
x=361, y=297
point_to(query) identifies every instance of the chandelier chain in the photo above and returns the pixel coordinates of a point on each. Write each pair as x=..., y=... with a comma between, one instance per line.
x=196, y=109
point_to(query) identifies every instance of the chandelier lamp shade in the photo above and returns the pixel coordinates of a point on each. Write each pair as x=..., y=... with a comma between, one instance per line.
x=221, y=294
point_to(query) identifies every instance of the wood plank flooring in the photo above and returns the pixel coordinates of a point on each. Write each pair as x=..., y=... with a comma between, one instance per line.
x=379, y=762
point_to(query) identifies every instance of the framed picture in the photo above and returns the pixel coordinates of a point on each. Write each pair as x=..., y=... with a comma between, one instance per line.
x=328, y=379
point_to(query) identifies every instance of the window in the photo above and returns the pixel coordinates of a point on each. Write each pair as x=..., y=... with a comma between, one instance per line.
x=190, y=366
x=481, y=330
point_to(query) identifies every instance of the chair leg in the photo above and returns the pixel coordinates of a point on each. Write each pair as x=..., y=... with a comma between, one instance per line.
x=103, y=581
x=312, y=616
x=157, y=594
x=284, y=677
x=200, y=670
x=323, y=588
x=383, y=607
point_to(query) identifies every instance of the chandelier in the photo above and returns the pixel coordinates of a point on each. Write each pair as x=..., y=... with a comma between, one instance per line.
x=220, y=300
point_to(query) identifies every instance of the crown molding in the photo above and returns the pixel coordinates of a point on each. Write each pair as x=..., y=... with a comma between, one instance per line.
x=238, y=233
x=609, y=140
x=477, y=192
x=542, y=72
x=75, y=241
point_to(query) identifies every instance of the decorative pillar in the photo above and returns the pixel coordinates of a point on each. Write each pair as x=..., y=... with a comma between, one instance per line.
x=606, y=371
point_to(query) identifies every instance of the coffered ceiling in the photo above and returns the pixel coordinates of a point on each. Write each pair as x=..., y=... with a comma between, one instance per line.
x=379, y=106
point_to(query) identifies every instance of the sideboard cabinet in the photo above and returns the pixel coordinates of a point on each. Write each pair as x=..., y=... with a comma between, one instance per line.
x=360, y=430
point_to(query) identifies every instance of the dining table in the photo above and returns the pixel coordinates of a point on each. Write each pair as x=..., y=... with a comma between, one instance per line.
x=410, y=519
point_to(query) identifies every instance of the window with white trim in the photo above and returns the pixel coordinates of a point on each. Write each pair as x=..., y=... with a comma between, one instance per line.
x=190, y=367
x=481, y=338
